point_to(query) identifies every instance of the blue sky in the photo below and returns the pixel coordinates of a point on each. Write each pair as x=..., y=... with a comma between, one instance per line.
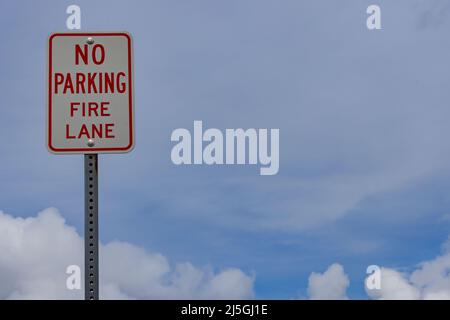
x=364, y=158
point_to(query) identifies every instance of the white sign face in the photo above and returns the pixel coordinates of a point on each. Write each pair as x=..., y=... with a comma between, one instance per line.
x=90, y=93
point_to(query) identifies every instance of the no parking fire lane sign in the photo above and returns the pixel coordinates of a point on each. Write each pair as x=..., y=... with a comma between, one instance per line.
x=90, y=93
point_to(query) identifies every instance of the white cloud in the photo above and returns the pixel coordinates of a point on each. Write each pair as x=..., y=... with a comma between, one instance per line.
x=36, y=252
x=431, y=280
x=330, y=285
x=394, y=286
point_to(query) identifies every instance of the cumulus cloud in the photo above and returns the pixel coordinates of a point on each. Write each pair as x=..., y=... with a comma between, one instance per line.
x=36, y=252
x=394, y=286
x=430, y=280
x=330, y=285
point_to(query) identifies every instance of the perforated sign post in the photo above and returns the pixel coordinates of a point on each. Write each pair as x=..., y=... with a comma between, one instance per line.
x=90, y=111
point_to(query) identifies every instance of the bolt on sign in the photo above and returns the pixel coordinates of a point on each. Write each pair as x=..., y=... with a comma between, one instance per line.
x=90, y=93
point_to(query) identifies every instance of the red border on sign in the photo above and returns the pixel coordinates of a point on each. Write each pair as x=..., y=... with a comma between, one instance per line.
x=130, y=93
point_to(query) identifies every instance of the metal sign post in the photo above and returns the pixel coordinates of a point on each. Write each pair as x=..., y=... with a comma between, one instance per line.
x=90, y=111
x=91, y=265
